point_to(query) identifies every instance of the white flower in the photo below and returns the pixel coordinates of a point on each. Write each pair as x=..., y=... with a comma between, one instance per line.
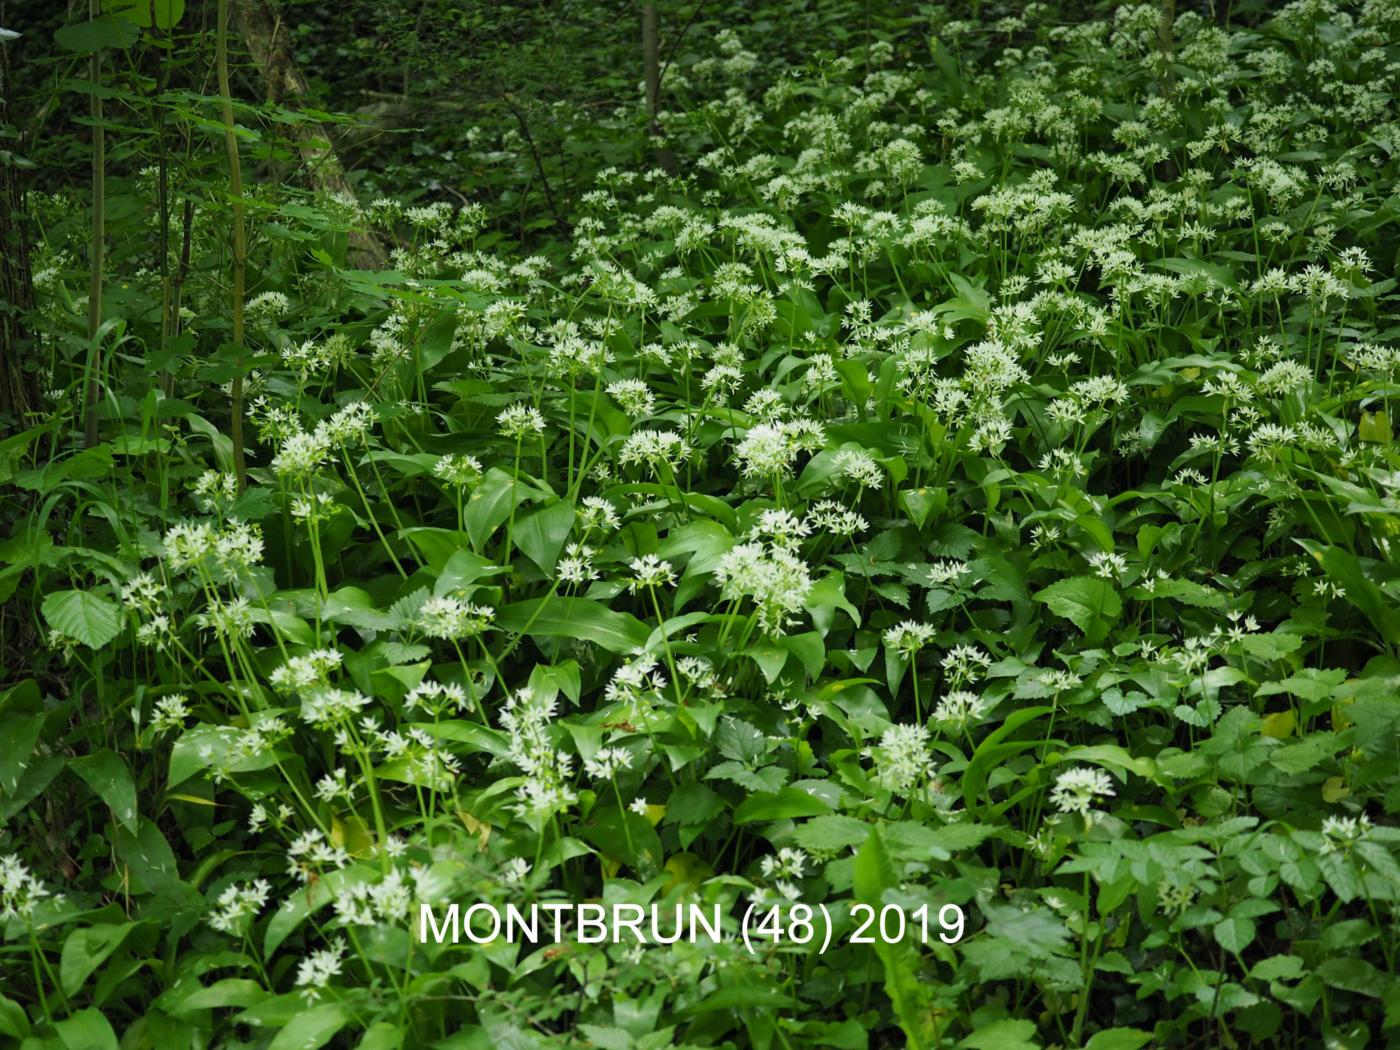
x=608, y=762
x=238, y=905
x=329, y=706
x=301, y=454
x=1076, y=789
x=1107, y=565
x=858, y=466
x=333, y=786
x=309, y=851
x=20, y=891
x=171, y=712
x=789, y=863
x=634, y=396
x=518, y=420
x=776, y=579
x=1339, y=834
x=650, y=571
x=316, y=970
x=903, y=759
x=654, y=447
x=577, y=564
x=442, y=616
x=770, y=448
x=306, y=671
x=909, y=637
x=457, y=470
x=959, y=708
x=965, y=663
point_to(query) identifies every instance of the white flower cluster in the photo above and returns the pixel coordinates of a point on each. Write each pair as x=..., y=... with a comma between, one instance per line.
x=775, y=578
x=527, y=717
x=1076, y=790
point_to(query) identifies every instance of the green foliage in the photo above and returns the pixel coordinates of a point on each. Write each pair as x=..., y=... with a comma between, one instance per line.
x=961, y=486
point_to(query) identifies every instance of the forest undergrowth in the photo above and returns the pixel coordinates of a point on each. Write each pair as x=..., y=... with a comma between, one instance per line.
x=957, y=471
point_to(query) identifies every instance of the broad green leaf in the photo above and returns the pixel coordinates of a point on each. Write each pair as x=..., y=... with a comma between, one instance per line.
x=94, y=35
x=85, y=949
x=743, y=997
x=1234, y=934
x=167, y=13
x=382, y=1036
x=1358, y=589
x=20, y=731
x=1006, y=1034
x=190, y=996
x=312, y=1028
x=86, y=1030
x=1119, y=1039
x=541, y=534
x=87, y=618
x=625, y=835
x=492, y=502
x=107, y=774
x=579, y=618
x=1090, y=603
x=786, y=804
x=14, y=1022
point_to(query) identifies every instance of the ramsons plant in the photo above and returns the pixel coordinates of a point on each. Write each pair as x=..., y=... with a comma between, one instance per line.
x=968, y=480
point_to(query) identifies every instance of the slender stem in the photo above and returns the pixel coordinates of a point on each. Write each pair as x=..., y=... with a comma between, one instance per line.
x=97, y=242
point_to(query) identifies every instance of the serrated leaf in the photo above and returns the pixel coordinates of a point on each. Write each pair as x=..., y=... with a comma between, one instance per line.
x=167, y=12
x=833, y=834
x=1235, y=934
x=1090, y=603
x=87, y=618
x=94, y=35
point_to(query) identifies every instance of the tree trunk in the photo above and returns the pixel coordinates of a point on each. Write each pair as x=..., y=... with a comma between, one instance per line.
x=266, y=36
x=651, y=74
x=19, y=383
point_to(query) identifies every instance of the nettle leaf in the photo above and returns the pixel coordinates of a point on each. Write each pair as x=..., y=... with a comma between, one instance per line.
x=1310, y=683
x=87, y=618
x=738, y=740
x=832, y=834
x=1235, y=934
x=97, y=34
x=692, y=803
x=1090, y=603
x=769, y=778
x=167, y=13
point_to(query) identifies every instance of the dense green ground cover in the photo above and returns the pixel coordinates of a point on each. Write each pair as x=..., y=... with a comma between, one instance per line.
x=969, y=479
